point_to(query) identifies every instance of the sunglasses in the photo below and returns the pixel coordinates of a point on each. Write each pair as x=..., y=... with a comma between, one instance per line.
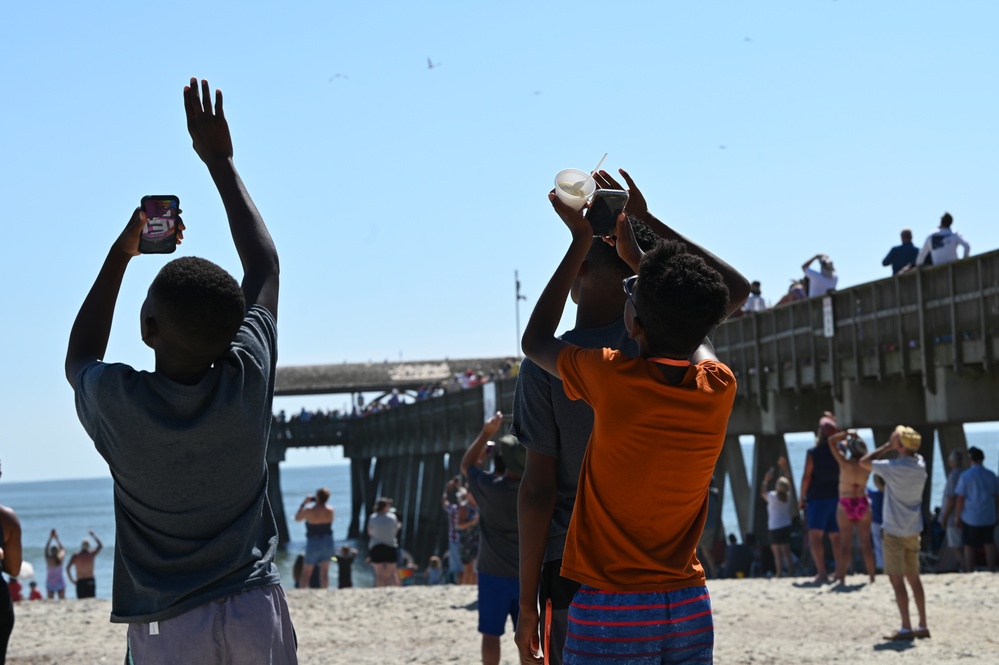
x=629, y=287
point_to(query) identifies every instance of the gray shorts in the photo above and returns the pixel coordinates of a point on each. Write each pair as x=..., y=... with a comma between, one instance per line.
x=249, y=627
x=954, y=537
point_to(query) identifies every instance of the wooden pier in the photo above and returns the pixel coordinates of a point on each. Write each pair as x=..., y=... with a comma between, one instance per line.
x=919, y=348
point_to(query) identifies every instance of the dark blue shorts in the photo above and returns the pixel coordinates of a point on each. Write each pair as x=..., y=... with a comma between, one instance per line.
x=643, y=627
x=977, y=536
x=499, y=597
x=821, y=514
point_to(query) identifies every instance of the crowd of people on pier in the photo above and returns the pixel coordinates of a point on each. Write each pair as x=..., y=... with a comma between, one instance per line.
x=940, y=247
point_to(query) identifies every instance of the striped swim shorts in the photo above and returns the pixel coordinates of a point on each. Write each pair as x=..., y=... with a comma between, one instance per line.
x=643, y=627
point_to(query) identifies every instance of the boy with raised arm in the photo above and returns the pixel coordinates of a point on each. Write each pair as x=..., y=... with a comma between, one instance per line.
x=659, y=425
x=195, y=536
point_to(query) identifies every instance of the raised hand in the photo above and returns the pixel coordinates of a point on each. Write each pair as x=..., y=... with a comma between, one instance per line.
x=637, y=205
x=493, y=424
x=574, y=219
x=208, y=128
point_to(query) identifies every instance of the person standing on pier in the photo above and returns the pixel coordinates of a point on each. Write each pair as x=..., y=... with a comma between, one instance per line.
x=902, y=256
x=905, y=476
x=941, y=245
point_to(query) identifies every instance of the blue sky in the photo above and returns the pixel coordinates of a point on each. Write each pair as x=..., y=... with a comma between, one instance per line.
x=402, y=199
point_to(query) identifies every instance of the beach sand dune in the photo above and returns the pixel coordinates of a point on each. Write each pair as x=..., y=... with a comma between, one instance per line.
x=756, y=621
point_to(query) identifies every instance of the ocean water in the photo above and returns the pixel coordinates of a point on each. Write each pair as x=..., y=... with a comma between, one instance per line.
x=73, y=507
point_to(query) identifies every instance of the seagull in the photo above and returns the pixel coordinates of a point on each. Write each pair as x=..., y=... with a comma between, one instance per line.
x=338, y=76
x=431, y=64
x=537, y=92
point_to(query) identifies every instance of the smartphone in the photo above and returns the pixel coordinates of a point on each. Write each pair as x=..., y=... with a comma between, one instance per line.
x=607, y=204
x=162, y=215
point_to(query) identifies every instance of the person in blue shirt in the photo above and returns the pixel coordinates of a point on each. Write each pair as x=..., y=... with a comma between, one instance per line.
x=902, y=256
x=977, y=507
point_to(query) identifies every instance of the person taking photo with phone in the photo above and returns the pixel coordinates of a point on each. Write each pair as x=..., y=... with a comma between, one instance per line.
x=194, y=578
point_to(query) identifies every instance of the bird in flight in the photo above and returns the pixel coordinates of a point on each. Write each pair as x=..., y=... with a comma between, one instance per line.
x=338, y=76
x=431, y=64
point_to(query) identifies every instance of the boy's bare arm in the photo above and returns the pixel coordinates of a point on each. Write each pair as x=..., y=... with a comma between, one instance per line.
x=475, y=450
x=213, y=143
x=535, y=507
x=88, y=339
x=738, y=286
x=539, y=341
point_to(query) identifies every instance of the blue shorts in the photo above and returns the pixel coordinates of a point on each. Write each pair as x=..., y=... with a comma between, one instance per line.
x=821, y=514
x=499, y=597
x=454, y=557
x=645, y=627
x=318, y=549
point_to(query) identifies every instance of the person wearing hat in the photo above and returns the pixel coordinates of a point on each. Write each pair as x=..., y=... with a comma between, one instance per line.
x=905, y=477
x=499, y=542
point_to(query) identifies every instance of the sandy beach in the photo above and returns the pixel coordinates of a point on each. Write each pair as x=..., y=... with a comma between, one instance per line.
x=756, y=621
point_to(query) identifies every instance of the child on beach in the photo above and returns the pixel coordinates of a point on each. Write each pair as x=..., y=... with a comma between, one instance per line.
x=194, y=572
x=659, y=426
x=779, y=517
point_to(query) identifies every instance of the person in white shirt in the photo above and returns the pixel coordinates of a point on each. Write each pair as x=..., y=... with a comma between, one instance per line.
x=941, y=246
x=823, y=281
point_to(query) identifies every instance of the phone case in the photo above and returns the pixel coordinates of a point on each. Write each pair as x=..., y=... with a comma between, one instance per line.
x=162, y=215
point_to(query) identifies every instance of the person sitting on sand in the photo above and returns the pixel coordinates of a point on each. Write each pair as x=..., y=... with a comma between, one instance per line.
x=659, y=427
x=83, y=562
x=318, y=520
x=779, y=516
x=434, y=572
x=195, y=542
x=55, y=553
x=905, y=476
x=854, y=510
x=383, y=543
x=34, y=594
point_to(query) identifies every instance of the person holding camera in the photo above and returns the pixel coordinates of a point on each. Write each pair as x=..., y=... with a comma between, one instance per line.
x=318, y=518
x=195, y=577
x=854, y=509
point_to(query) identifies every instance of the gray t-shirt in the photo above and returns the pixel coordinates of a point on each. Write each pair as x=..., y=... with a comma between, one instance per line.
x=904, y=479
x=192, y=519
x=382, y=529
x=548, y=422
x=499, y=541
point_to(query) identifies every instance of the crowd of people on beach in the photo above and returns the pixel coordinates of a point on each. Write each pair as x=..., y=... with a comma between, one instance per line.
x=580, y=524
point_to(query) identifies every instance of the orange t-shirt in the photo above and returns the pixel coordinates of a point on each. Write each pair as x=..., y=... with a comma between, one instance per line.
x=642, y=498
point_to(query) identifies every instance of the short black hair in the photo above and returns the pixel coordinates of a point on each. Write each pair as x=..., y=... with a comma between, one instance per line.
x=947, y=219
x=679, y=298
x=603, y=260
x=976, y=455
x=203, y=301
